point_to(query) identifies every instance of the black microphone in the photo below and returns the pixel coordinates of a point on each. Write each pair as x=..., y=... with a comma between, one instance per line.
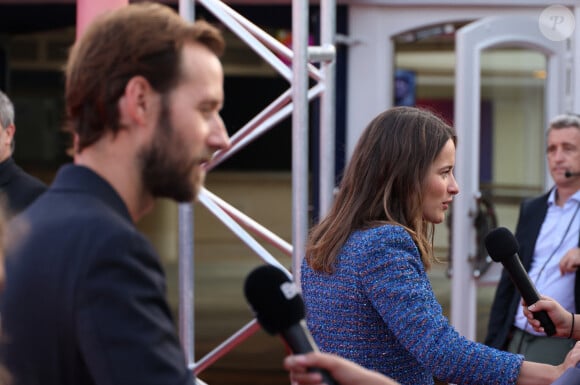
x=279, y=309
x=503, y=247
x=570, y=174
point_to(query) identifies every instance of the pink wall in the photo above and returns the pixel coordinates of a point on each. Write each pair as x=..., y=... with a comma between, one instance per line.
x=87, y=10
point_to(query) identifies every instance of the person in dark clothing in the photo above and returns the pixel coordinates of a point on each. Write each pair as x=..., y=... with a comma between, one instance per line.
x=84, y=301
x=17, y=186
x=547, y=232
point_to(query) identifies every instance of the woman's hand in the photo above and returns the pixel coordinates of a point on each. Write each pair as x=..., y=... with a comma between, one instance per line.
x=561, y=318
x=571, y=360
x=344, y=372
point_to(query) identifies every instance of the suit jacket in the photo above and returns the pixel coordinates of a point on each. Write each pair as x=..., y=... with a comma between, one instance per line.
x=20, y=188
x=84, y=301
x=507, y=298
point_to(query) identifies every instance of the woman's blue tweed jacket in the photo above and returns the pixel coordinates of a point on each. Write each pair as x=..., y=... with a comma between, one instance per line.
x=378, y=309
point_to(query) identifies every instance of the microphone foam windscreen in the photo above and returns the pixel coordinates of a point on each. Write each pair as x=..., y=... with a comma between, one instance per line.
x=274, y=298
x=500, y=244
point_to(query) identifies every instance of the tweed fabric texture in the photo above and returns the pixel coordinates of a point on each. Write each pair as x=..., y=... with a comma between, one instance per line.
x=379, y=310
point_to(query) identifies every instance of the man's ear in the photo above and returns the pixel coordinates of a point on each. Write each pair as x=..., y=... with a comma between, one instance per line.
x=10, y=131
x=136, y=104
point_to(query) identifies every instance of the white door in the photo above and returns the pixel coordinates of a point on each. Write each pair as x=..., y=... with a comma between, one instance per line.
x=497, y=38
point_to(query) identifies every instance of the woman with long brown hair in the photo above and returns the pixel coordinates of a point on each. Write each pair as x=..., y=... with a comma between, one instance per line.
x=364, y=277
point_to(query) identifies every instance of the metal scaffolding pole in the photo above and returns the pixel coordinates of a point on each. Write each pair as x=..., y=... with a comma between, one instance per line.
x=327, y=109
x=294, y=102
x=299, y=133
x=185, y=251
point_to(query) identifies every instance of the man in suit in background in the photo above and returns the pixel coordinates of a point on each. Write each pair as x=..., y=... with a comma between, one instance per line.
x=19, y=188
x=548, y=233
x=84, y=302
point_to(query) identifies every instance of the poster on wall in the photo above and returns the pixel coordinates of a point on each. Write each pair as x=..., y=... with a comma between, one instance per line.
x=405, y=87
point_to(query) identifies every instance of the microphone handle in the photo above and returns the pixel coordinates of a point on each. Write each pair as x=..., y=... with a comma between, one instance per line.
x=528, y=291
x=300, y=341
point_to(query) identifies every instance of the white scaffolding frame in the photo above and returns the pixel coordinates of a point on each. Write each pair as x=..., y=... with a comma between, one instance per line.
x=292, y=102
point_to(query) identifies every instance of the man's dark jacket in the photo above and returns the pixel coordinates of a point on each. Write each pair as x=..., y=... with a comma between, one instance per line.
x=507, y=298
x=84, y=301
x=20, y=188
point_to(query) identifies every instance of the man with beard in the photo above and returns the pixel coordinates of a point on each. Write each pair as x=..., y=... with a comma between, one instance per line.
x=85, y=299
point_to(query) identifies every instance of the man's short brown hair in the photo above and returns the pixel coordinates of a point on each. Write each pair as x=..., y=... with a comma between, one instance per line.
x=141, y=39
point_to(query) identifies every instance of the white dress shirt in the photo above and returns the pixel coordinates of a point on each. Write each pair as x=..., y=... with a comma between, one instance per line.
x=558, y=234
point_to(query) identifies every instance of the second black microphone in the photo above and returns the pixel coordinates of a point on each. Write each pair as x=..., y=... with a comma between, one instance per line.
x=503, y=247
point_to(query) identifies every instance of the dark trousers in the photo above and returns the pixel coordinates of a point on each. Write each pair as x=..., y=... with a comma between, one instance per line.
x=549, y=350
